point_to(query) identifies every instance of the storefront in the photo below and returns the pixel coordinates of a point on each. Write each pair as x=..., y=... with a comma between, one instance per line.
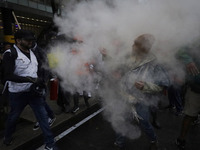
x=34, y=15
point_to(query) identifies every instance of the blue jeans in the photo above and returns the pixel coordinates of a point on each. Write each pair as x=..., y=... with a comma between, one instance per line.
x=48, y=109
x=18, y=101
x=144, y=112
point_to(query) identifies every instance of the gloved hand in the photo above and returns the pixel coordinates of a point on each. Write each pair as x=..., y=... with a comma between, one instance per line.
x=31, y=79
x=40, y=82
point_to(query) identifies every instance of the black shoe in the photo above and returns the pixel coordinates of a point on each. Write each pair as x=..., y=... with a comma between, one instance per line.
x=75, y=109
x=7, y=142
x=50, y=148
x=51, y=121
x=180, y=144
x=36, y=126
x=196, y=121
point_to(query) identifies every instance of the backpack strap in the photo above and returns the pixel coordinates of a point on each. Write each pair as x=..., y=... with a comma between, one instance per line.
x=12, y=51
x=14, y=55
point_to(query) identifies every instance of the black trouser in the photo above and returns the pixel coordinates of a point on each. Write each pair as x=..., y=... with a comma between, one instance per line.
x=63, y=97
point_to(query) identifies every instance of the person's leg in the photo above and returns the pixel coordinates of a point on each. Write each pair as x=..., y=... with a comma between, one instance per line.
x=66, y=100
x=86, y=98
x=51, y=116
x=60, y=101
x=120, y=140
x=49, y=110
x=187, y=120
x=171, y=97
x=76, y=102
x=18, y=102
x=178, y=99
x=143, y=111
x=38, y=106
x=191, y=109
x=180, y=141
x=154, y=115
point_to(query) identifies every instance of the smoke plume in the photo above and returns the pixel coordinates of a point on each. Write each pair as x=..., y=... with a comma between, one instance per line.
x=113, y=25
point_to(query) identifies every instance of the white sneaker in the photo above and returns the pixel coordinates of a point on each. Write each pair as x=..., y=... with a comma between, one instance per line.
x=89, y=95
x=51, y=121
x=36, y=126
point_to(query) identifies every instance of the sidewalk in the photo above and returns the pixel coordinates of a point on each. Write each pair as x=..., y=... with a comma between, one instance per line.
x=24, y=135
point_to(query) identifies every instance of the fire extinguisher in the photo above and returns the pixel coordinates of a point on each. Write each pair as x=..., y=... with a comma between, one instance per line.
x=54, y=89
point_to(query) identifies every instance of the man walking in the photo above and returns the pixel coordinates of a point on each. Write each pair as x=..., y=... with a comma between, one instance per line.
x=21, y=75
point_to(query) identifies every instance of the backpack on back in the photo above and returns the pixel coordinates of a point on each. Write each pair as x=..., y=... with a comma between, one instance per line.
x=13, y=54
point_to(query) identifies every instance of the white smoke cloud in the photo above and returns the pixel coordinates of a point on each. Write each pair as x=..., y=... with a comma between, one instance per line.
x=114, y=25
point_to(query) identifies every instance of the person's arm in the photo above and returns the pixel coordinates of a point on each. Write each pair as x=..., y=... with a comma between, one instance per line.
x=160, y=81
x=148, y=87
x=9, y=67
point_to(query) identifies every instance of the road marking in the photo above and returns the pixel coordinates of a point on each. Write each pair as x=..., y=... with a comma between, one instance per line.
x=61, y=135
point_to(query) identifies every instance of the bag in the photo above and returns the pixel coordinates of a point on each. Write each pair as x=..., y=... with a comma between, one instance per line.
x=1, y=72
x=37, y=90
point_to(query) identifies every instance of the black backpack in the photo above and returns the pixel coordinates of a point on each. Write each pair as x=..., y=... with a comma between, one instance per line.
x=13, y=53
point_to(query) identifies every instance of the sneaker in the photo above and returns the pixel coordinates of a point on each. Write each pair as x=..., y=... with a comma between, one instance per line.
x=51, y=121
x=75, y=109
x=50, y=148
x=89, y=95
x=180, y=144
x=36, y=126
x=7, y=142
x=197, y=121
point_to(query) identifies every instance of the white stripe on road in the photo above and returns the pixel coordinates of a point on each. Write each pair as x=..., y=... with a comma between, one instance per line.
x=61, y=135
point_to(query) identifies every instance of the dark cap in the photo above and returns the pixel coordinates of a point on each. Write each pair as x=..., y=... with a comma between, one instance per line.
x=24, y=34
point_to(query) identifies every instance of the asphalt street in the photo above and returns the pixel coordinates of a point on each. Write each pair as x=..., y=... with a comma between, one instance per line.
x=97, y=134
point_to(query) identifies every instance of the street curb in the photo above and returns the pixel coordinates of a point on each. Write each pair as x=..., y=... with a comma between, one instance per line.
x=38, y=140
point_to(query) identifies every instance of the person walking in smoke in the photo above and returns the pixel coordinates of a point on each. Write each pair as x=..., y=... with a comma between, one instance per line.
x=84, y=75
x=54, y=57
x=190, y=57
x=141, y=83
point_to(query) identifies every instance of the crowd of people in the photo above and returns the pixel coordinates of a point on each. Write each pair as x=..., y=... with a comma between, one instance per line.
x=139, y=81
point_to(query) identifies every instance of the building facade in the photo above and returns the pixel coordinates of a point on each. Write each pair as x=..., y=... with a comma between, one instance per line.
x=34, y=15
